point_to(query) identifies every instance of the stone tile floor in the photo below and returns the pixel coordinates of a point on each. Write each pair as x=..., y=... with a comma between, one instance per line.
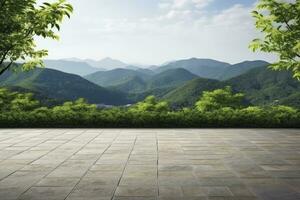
x=149, y=164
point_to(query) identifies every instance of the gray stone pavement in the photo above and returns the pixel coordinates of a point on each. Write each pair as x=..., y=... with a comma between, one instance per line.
x=149, y=164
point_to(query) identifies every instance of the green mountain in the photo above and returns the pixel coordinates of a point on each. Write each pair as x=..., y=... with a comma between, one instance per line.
x=240, y=68
x=189, y=93
x=264, y=86
x=72, y=67
x=61, y=86
x=132, y=84
x=260, y=85
x=146, y=71
x=157, y=92
x=205, y=68
x=292, y=100
x=115, y=77
x=170, y=78
x=155, y=84
x=212, y=69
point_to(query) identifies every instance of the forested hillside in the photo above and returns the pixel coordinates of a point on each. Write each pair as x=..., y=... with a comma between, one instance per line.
x=115, y=77
x=61, y=86
x=261, y=86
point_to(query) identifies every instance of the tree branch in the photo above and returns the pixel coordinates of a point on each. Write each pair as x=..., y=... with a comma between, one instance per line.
x=287, y=24
x=12, y=46
x=6, y=68
x=4, y=56
x=284, y=18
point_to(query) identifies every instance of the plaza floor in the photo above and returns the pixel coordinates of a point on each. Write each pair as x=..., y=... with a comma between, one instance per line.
x=150, y=164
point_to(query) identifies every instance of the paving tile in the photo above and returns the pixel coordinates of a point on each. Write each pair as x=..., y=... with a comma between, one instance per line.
x=219, y=191
x=275, y=192
x=150, y=164
x=21, y=179
x=195, y=191
x=46, y=193
x=136, y=191
x=233, y=198
x=220, y=182
x=57, y=182
x=136, y=181
x=74, y=197
x=111, y=167
x=11, y=193
x=38, y=167
x=182, y=198
x=179, y=180
x=170, y=191
x=135, y=198
x=241, y=191
x=87, y=182
x=104, y=192
x=293, y=183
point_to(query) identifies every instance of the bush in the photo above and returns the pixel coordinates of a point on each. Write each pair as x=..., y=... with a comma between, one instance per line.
x=21, y=111
x=218, y=99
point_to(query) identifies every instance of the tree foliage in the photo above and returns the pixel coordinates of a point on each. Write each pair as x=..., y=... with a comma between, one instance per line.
x=21, y=110
x=20, y=22
x=218, y=99
x=151, y=104
x=279, y=21
x=17, y=101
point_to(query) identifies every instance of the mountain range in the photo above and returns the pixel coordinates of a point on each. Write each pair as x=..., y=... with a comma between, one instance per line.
x=179, y=82
x=261, y=86
x=115, y=76
x=162, y=79
x=83, y=67
x=206, y=68
x=75, y=67
x=135, y=81
x=105, y=63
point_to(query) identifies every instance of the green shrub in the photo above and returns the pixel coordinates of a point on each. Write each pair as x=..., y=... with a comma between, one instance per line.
x=218, y=99
x=23, y=111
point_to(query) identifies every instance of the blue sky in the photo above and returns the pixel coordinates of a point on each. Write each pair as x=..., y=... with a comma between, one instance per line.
x=224, y=4
x=156, y=31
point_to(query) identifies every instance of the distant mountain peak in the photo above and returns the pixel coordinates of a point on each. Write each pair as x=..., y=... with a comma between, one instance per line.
x=107, y=63
x=251, y=61
x=109, y=59
x=206, y=68
x=72, y=66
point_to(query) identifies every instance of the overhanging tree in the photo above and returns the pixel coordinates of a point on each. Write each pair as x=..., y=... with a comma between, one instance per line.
x=20, y=22
x=279, y=21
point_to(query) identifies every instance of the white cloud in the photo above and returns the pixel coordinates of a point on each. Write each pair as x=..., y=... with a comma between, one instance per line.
x=183, y=9
x=164, y=5
x=237, y=15
x=176, y=29
x=190, y=4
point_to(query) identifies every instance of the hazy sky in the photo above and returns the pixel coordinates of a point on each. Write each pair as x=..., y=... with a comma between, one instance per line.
x=156, y=31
